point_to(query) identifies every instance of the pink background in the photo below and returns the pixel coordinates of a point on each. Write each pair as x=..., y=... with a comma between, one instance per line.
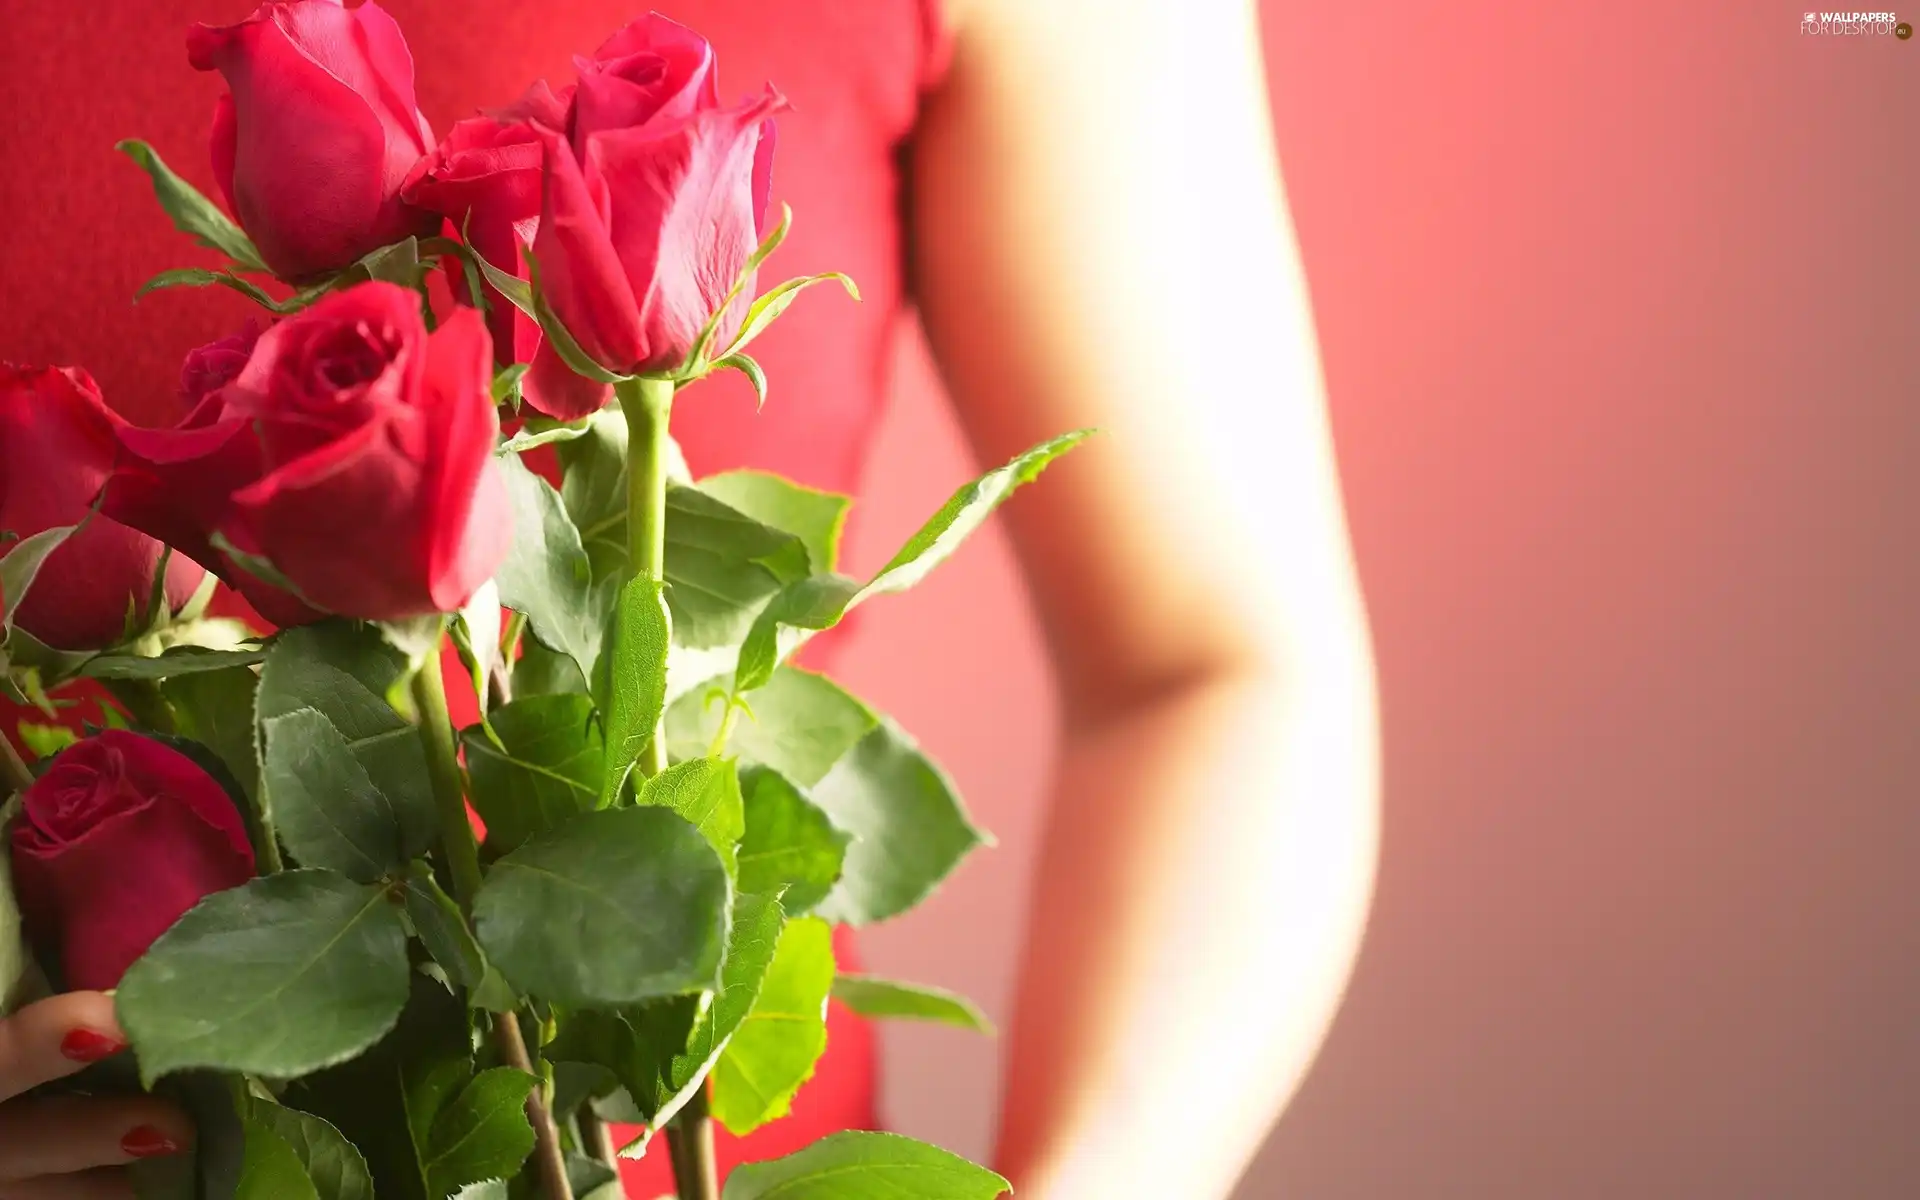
x=1620, y=307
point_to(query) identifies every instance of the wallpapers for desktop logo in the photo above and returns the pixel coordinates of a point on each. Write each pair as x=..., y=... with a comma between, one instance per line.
x=1855, y=24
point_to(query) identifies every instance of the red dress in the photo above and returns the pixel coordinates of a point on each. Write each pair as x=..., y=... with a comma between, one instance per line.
x=84, y=233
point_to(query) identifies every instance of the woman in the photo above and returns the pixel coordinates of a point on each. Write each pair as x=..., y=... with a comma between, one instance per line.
x=1084, y=198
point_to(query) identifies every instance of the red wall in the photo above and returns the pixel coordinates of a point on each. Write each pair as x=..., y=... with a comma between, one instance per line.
x=1620, y=306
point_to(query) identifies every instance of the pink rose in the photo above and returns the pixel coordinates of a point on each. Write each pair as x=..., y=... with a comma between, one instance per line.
x=57, y=446
x=118, y=839
x=213, y=366
x=650, y=199
x=353, y=453
x=318, y=132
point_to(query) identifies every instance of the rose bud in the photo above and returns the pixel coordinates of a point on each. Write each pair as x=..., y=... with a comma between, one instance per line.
x=57, y=446
x=650, y=200
x=485, y=179
x=118, y=839
x=318, y=133
x=353, y=453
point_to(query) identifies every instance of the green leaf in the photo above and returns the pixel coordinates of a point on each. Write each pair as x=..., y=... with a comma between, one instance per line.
x=811, y=604
x=366, y=1097
x=271, y=1169
x=909, y=828
x=327, y=1159
x=442, y=930
x=482, y=1133
x=635, y=690
x=613, y=907
x=817, y=518
x=752, y=946
x=506, y=386
x=544, y=672
x=45, y=741
x=790, y=846
x=179, y=661
x=197, y=277
x=215, y=708
x=873, y=997
x=706, y=791
x=346, y=672
x=398, y=263
x=773, y=1052
x=19, y=566
x=866, y=1166
x=192, y=213
x=329, y=812
x=722, y=566
x=662, y=1050
x=815, y=604
x=770, y=305
x=546, y=574
x=593, y=487
x=800, y=724
x=283, y=976
x=755, y=373
x=545, y=768
x=21, y=981
x=536, y=433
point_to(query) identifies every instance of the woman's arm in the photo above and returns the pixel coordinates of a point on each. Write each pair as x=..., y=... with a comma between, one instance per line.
x=1101, y=239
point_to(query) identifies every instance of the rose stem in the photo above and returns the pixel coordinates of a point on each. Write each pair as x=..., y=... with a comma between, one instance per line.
x=690, y=1147
x=649, y=405
x=463, y=861
x=19, y=778
x=595, y=1137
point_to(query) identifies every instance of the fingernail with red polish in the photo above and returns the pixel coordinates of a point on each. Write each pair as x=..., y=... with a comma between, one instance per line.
x=86, y=1046
x=148, y=1142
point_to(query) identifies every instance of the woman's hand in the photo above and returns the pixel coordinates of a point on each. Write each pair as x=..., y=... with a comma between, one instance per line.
x=73, y=1147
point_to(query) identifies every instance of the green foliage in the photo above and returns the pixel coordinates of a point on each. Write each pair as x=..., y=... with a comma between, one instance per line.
x=817, y=518
x=866, y=1166
x=722, y=566
x=344, y=672
x=329, y=812
x=768, y=307
x=660, y=1051
x=909, y=829
x=774, y=1050
x=542, y=765
x=819, y=603
x=879, y=998
x=192, y=213
x=437, y=922
x=215, y=708
x=634, y=691
x=20, y=978
x=613, y=907
x=469, y=1130
x=800, y=724
x=284, y=976
x=706, y=791
x=329, y=1164
x=180, y=661
x=790, y=846
x=272, y=1169
x=546, y=574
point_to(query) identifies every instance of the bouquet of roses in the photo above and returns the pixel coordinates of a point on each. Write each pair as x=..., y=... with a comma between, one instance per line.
x=376, y=955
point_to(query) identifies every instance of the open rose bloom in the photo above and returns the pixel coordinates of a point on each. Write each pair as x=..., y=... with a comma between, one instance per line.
x=387, y=952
